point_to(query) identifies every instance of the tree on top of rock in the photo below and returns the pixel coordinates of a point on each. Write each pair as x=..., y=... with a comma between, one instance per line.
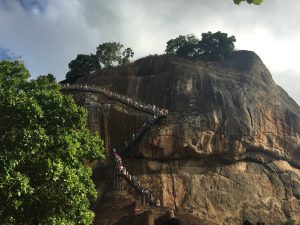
x=82, y=65
x=183, y=45
x=127, y=54
x=110, y=54
x=212, y=46
x=215, y=46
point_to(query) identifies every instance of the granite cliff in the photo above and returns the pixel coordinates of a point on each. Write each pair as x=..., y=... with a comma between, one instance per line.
x=228, y=151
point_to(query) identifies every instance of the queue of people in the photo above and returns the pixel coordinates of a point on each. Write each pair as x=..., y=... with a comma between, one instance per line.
x=122, y=98
x=145, y=193
x=157, y=115
x=146, y=126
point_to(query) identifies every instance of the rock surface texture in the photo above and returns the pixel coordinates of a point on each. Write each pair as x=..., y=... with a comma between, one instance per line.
x=229, y=150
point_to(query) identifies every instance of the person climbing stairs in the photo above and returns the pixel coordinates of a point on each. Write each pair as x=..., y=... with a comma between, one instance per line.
x=120, y=170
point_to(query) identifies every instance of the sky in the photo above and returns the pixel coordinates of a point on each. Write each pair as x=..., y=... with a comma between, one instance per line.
x=48, y=34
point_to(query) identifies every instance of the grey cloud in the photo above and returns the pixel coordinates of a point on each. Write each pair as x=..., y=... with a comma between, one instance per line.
x=32, y=4
x=46, y=44
x=155, y=22
x=147, y=25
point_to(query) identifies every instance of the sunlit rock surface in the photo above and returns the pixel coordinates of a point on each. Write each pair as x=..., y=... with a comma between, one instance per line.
x=229, y=150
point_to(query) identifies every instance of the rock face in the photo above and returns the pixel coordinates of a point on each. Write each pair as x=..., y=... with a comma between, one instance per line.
x=228, y=151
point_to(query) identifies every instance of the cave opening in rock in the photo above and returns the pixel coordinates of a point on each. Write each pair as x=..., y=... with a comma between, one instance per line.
x=247, y=222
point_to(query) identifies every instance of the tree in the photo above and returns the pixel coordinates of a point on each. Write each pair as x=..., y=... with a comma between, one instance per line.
x=44, y=143
x=212, y=46
x=256, y=2
x=127, y=53
x=183, y=45
x=82, y=65
x=110, y=54
x=215, y=46
x=50, y=77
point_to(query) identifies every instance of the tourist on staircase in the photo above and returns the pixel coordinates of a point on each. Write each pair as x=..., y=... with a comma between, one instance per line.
x=157, y=115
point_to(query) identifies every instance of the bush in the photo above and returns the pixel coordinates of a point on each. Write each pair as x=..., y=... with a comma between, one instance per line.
x=215, y=46
x=212, y=46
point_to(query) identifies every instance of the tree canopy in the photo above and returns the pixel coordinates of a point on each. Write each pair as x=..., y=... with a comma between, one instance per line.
x=255, y=2
x=215, y=46
x=127, y=54
x=183, y=45
x=110, y=54
x=212, y=46
x=82, y=65
x=44, y=143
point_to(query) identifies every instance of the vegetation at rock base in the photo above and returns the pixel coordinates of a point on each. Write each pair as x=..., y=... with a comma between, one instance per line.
x=108, y=54
x=212, y=46
x=255, y=2
x=44, y=143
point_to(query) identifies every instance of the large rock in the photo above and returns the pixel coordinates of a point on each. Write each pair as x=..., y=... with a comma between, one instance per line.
x=230, y=148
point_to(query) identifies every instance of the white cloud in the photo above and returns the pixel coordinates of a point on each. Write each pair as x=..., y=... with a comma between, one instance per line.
x=289, y=80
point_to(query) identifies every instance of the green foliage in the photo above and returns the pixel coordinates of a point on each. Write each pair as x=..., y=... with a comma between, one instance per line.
x=44, y=143
x=215, y=46
x=255, y=2
x=82, y=65
x=183, y=45
x=212, y=46
x=12, y=73
x=127, y=53
x=110, y=54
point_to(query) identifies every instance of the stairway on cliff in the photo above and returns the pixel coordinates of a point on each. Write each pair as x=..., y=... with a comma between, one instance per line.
x=218, y=113
x=121, y=171
x=120, y=208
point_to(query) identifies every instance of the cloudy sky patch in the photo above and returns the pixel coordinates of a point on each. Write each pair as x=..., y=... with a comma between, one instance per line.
x=6, y=53
x=48, y=34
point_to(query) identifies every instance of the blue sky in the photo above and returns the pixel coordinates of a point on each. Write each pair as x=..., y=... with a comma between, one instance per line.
x=48, y=34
